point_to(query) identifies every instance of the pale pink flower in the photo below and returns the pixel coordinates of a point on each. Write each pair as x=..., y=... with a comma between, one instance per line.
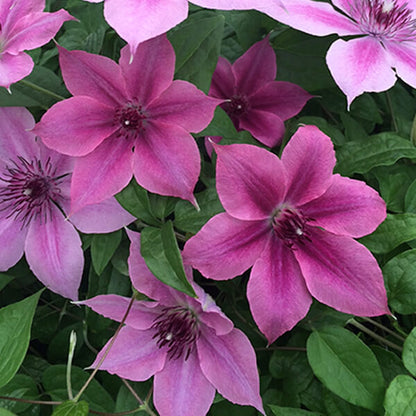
x=24, y=26
x=294, y=221
x=34, y=201
x=383, y=47
x=128, y=119
x=188, y=344
x=254, y=100
x=139, y=20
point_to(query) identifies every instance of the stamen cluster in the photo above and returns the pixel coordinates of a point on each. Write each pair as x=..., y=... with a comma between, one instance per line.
x=131, y=119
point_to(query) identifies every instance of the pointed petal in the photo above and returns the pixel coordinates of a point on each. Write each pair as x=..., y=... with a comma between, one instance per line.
x=102, y=173
x=403, y=59
x=104, y=217
x=92, y=75
x=183, y=104
x=134, y=355
x=12, y=242
x=34, y=30
x=53, y=251
x=76, y=126
x=12, y=10
x=232, y=4
x=276, y=291
x=225, y=247
x=343, y=274
x=250, y=181
x=229, y=363
x=13, y=68
x=15, y=137
x=155, y=18
x=265, y=126
x=309, y=159
x=223, y=80
x=281, y=98
x=141, y=316
x=360, y=65
x=349, y=207
x=255, y=67
x=167, y=161
x=151, y=71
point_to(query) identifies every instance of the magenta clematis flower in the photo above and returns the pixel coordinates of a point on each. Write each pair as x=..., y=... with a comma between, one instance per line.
x=24, y=26
x=158, y=17
x=255, y=101
x=34, y=197
x=128, y=119
x=294, y=222
x=385, y=46
x=188, y=344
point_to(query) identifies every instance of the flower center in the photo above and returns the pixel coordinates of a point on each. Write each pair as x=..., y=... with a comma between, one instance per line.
x=236, y=107
x=291, y=226
x=384, y=19
x=131, y=120
x=30, y=189
x=177, y=328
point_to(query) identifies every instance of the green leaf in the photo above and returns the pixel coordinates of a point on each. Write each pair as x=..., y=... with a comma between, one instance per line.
x=391, y=365
x=71, y=408
x=4, y=412
x=103, y=246
x=409, y=352
x=400, y=279
x=335, y=406
x=410, y=198
x=221, y=125
x=160, y=252
x=197, y=44
x=346, y=366
x=20, y=387
x=291, y=411
x=5, y=279
x=15, y=323
x=400, y=397
x=395, y=230
x=383, y=149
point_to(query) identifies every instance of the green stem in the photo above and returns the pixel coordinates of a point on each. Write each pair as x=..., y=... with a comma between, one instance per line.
x=384, y=328
x=390, y=104
x=143, y=405
x=72, y=344
x=372, y=334
x=41, y=89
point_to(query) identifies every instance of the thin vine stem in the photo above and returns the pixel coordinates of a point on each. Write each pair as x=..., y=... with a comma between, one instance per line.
x=41, y=89
x=384, y=328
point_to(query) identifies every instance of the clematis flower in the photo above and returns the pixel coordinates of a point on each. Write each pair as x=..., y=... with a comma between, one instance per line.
x=294, y=223
x=158, y=17
x=188, y=344
x=128, y=119
x=34, y=197
x=254, y=100
x=384, y=46
x=24, y=26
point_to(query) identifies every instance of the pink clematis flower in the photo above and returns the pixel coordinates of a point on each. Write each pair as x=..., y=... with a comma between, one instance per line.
x=385, y=46
x=294, y=222
x=158, y=17
x=24, y=26
x=188, y=344
x=34, y=197
x=128, y=119
x=254, y=100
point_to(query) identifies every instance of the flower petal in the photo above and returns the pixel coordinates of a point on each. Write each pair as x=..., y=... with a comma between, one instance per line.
x=104, y=217
x=343, y=274
x=223, y=80
x=403, y=60
x=134, y=355
x=276, y=291
x=225, y=247
x=12, y=242
x=250, y=181
x=182, y=389
x=155, y=18
x=348, y=207
x=14, y=67
x=141, y=315
x=53, y=251
x=309, y=159
x=76, y=126
x=184, y=105
x=151, y=71
x=102, y=173
x=167, y=161
x=255, y=67
x=229, y=363
x=232, y=4
x=360, y=65
x=92, y=75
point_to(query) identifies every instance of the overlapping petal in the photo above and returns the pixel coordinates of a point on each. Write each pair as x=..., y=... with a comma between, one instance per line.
x=14, y=67
x=223, y=79
x=403, y=59
x=12, y=241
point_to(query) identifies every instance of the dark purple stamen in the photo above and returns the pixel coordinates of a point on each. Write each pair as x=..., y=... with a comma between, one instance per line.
x=131, y=120
x=236, y=107
x=177, y=328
